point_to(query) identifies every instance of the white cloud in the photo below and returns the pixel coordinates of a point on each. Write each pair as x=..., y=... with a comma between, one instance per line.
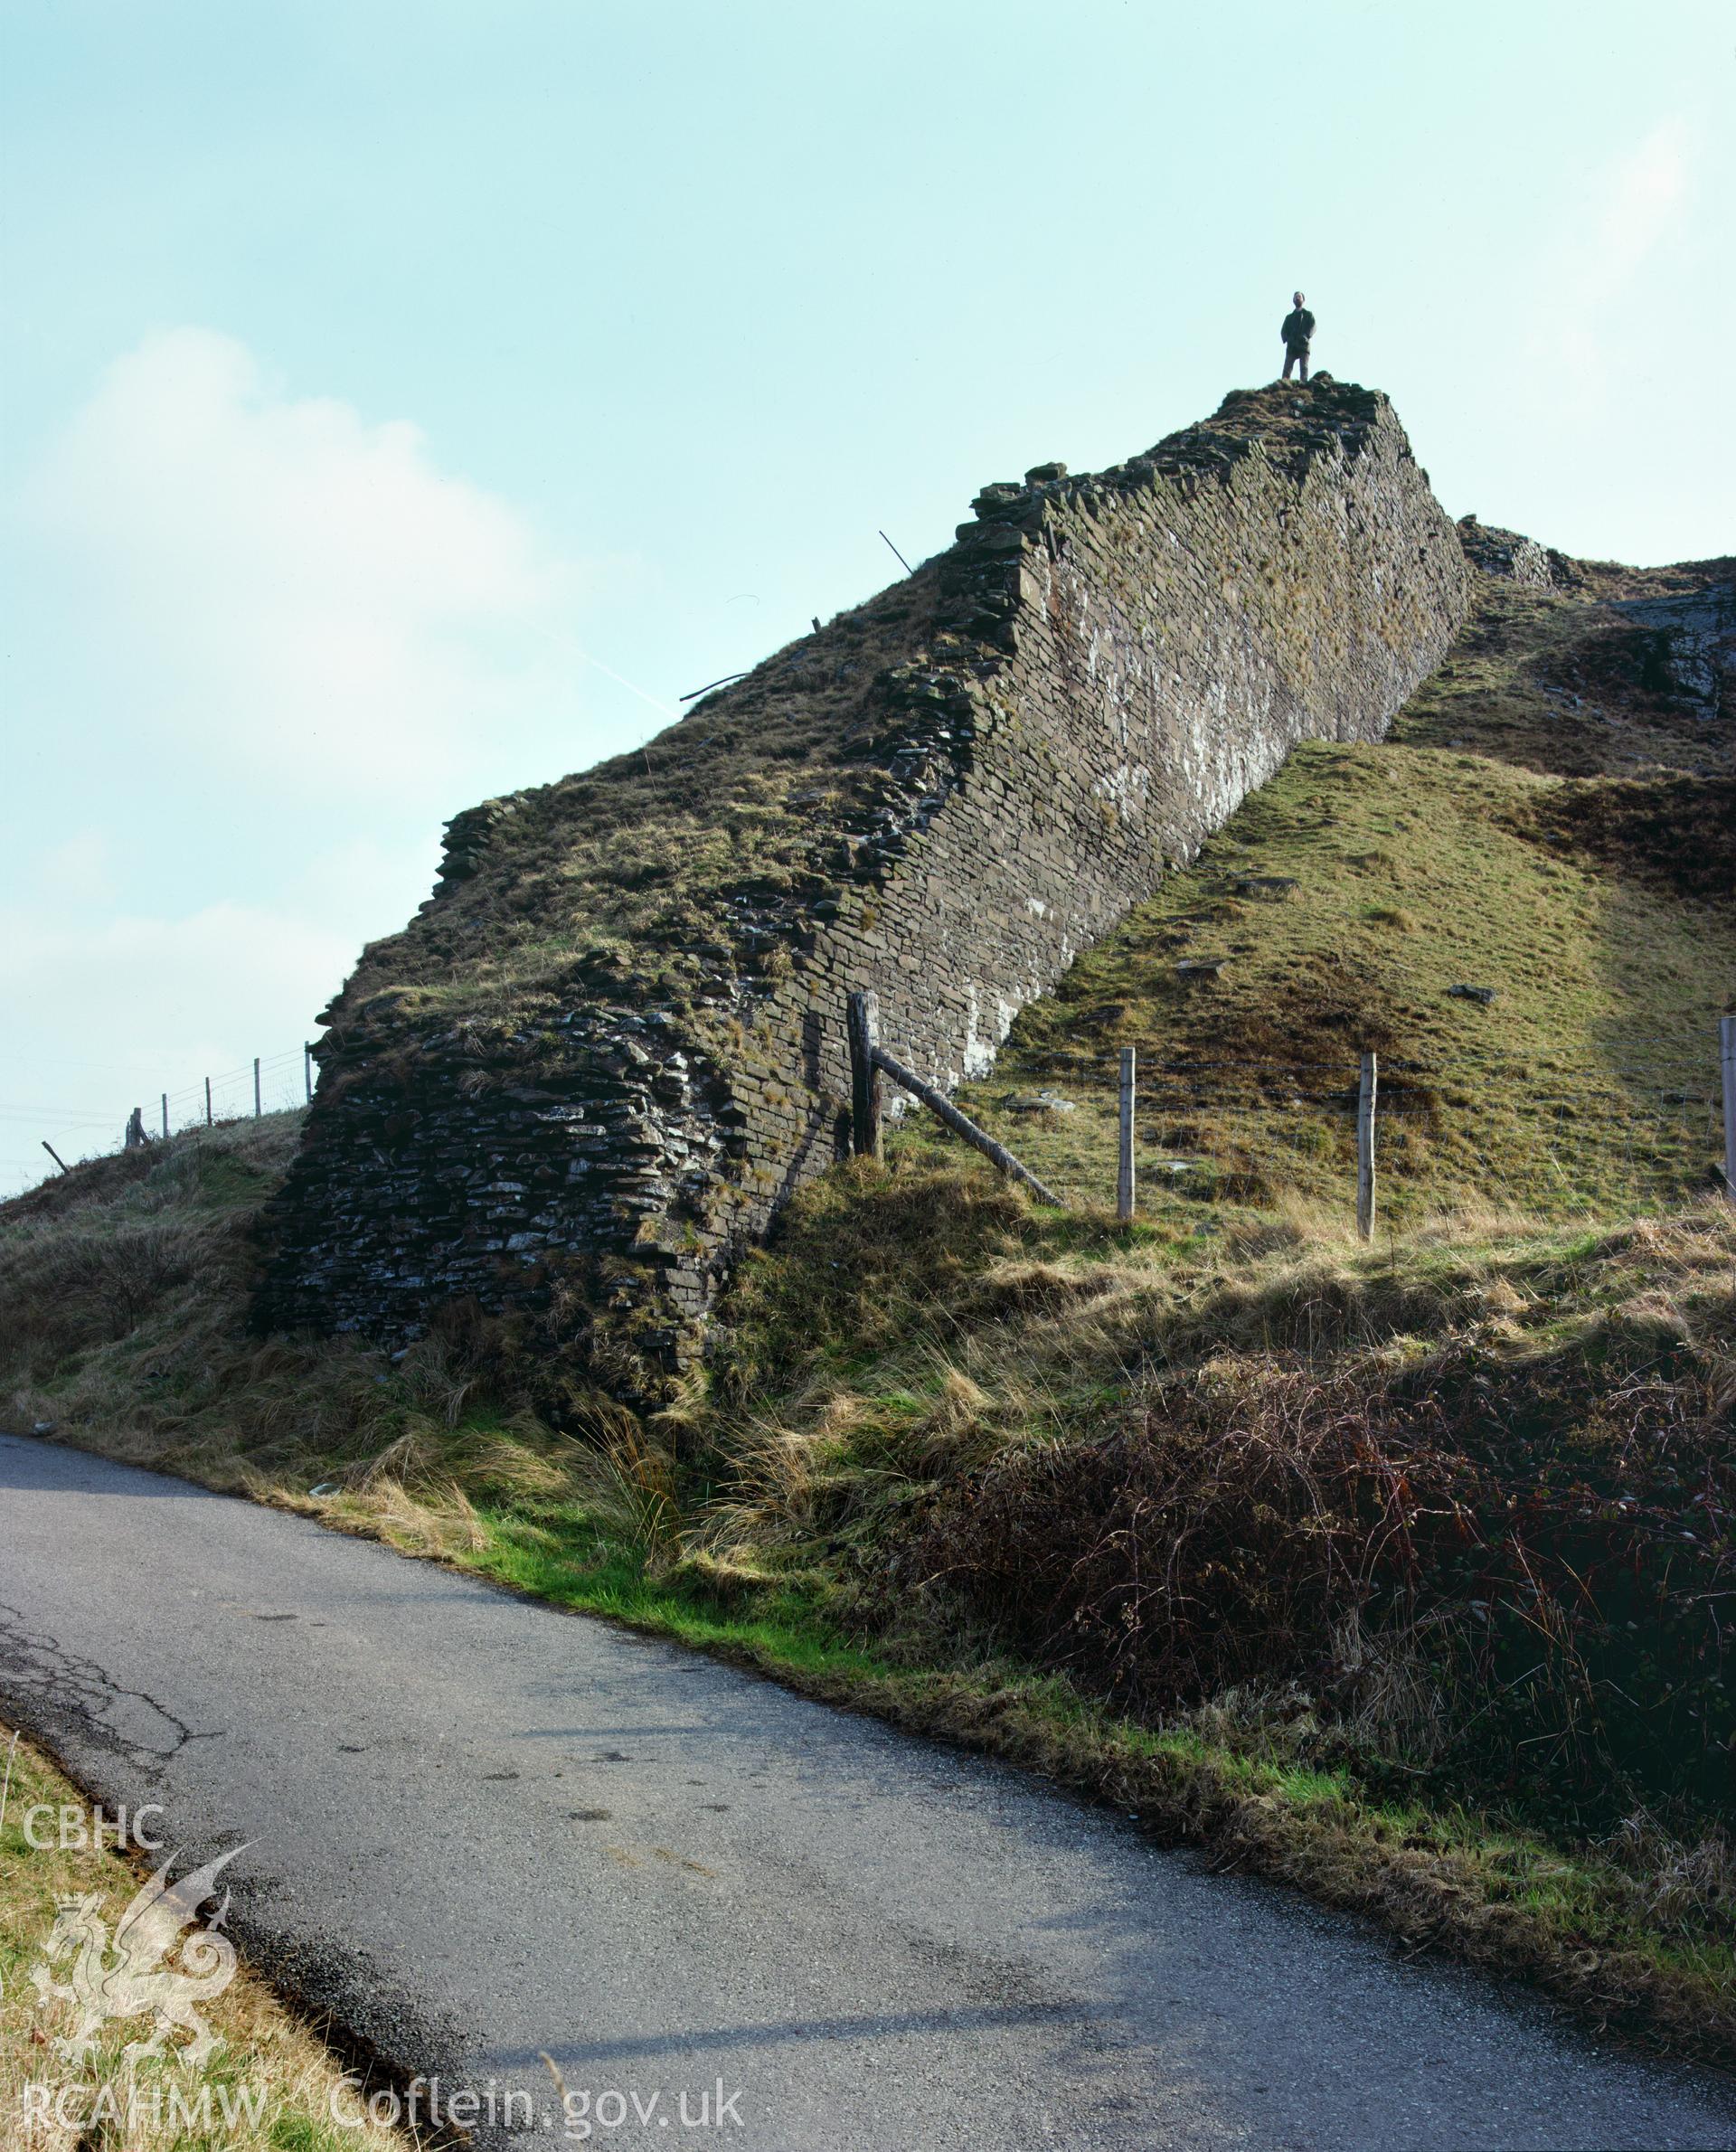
x=323, y=642
x=74, y=871
x=1643, y=196
x=1585, y=327
x=111, y=1015
x=109, y=1005
x=291, y=589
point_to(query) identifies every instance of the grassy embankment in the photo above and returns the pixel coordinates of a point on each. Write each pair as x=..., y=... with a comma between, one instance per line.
x=1539, y=823
x=271, y=2085
x=949, y=1430
x=1401, y=1573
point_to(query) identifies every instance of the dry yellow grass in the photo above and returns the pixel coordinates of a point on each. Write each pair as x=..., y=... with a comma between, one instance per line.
x=912, y=1330
x=271, y=2085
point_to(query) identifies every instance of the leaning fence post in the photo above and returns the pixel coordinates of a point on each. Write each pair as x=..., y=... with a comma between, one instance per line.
x=256, y=1086
x=961, y=1124
x=1124, y=1163
x=1365, y=1151
x=1727, y=1069
x=863, y=1023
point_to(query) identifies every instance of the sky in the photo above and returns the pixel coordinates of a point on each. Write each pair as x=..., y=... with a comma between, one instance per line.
x=401, y=404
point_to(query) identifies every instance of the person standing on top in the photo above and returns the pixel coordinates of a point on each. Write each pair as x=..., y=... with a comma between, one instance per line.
x=1298, y=333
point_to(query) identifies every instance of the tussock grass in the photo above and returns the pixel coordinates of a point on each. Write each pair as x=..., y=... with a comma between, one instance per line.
x=125, y=1311
x=276, y=2072
x=1401, y=1573
x=917, y=1349
x=1447, y=1523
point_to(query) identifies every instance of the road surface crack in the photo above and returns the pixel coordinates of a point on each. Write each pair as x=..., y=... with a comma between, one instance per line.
x=59, y=1693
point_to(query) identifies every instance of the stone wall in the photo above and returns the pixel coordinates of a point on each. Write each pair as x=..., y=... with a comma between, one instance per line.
x=1080, y=691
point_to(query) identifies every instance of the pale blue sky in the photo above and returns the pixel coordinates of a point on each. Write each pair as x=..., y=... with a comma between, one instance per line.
x=389, y=386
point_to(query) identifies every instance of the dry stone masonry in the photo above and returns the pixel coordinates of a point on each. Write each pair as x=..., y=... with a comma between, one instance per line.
x=1511, y=554
x=554, y=1102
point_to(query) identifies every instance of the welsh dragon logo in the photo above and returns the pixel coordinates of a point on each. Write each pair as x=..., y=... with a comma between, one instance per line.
x=130, y=1977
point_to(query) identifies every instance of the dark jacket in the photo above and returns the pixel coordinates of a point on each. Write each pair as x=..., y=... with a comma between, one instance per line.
x=1297, y=330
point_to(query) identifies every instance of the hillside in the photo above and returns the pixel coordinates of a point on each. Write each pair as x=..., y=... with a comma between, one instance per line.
x=1552, y=819
x=609, y=1047
x=1394, y=1570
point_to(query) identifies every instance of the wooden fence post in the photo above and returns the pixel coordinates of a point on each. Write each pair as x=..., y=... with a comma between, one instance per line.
x=166, y=1117
x=863, y=1023
x=207, y=1101
x=53, y=1154
x=308, y=1069
x=1365, y=1150
x=1727, y=1069
x=961, y=1124
x=1124, y=1163
x=256, y=1086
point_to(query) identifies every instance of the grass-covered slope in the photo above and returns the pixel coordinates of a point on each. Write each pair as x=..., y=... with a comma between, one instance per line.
x=1402, y=1571
x=1552, y=822
x=1398, y=1573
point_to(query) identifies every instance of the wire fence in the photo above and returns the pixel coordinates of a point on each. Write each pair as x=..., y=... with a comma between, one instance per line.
x=1251, y=1131
x=272, y=1084
x=1556, y=1140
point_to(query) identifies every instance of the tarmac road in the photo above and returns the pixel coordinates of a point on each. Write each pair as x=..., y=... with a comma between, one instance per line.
x=477, y=1828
